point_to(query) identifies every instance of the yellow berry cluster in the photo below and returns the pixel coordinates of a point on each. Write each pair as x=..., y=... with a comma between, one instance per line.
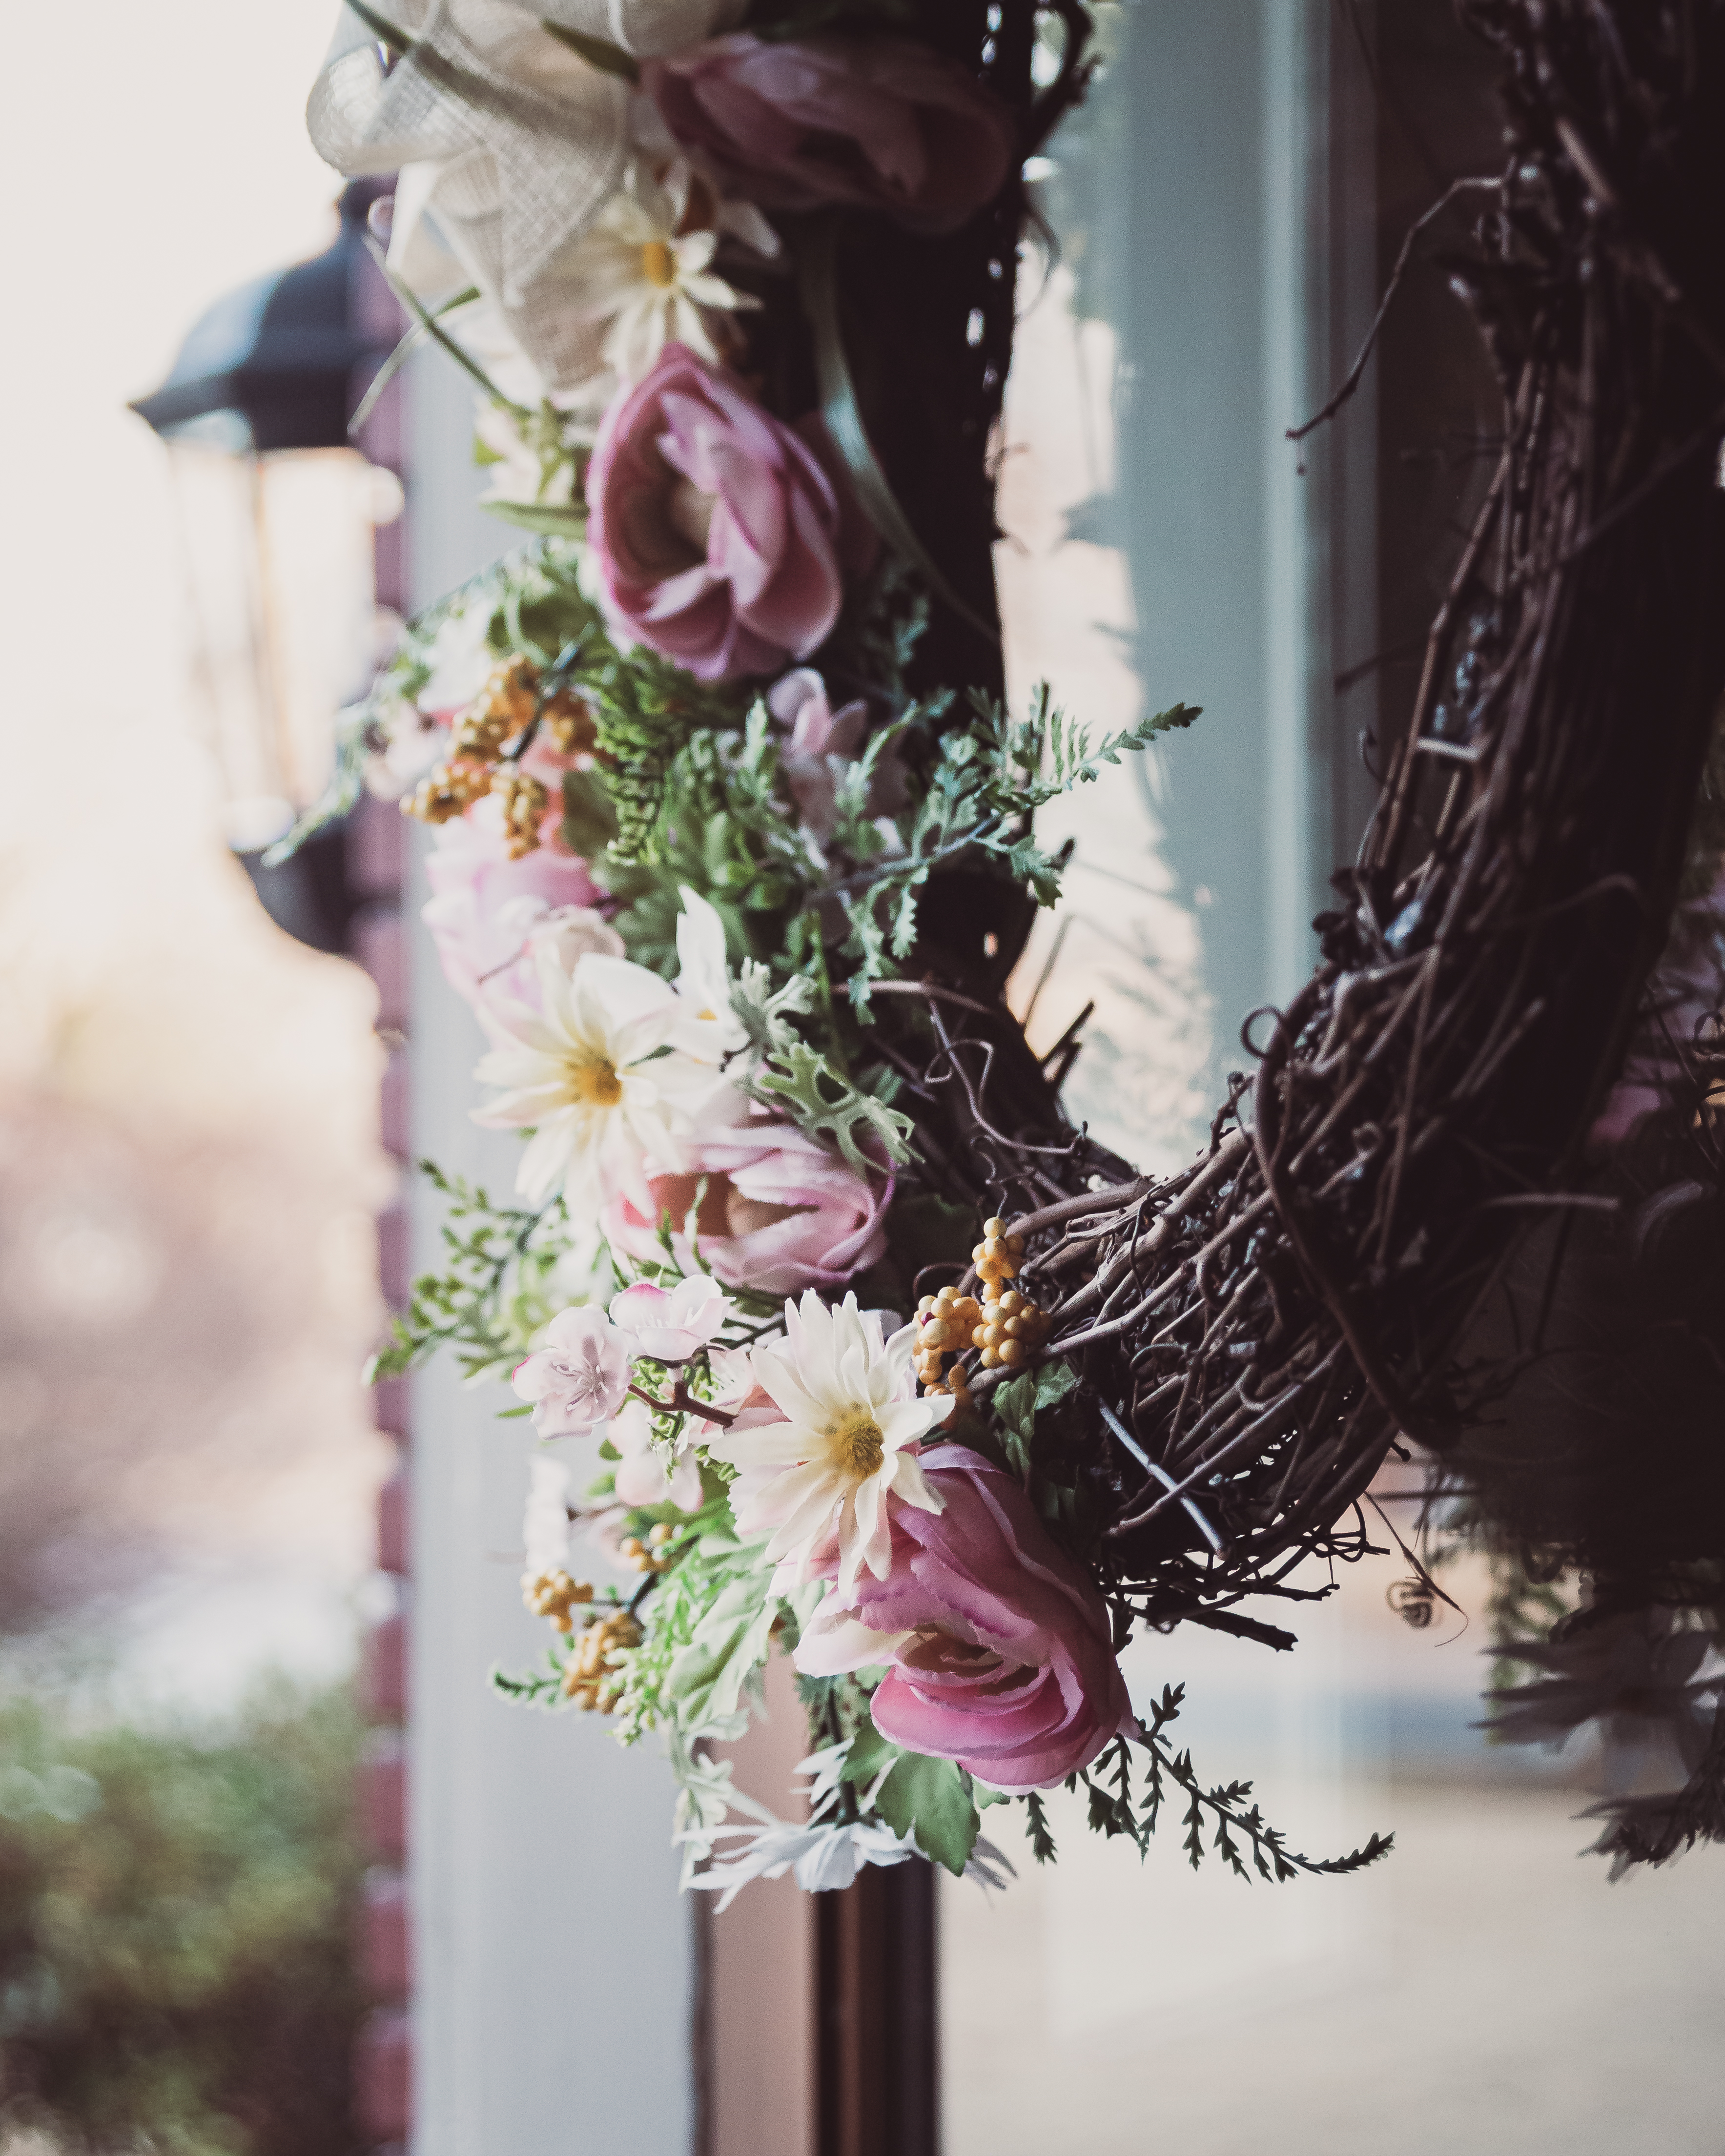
x=524, y=801
x=502, y=710
x=554, y=1595
x=1009, y=1326
x=647, y=1556
x=448, y=790
x=1006, y=1325
x=589, y=1679
x=945, y=1323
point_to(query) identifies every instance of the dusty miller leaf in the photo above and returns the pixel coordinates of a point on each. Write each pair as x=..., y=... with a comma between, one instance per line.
x=797, y=1080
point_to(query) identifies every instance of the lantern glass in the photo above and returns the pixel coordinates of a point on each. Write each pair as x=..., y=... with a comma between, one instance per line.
x=284, y=625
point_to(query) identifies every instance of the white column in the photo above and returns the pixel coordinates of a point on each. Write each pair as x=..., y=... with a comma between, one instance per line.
x=552, y=1983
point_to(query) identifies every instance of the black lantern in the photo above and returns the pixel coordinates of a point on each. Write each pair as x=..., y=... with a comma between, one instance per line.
x=277, y=510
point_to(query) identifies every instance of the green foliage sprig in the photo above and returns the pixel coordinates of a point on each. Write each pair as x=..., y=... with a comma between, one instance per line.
x=1239, y=1834
x=986, y=782
x=491, y=1297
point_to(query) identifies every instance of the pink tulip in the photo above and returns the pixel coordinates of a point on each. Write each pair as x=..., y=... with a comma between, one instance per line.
x=722, y=540
x=778, y=1215
x=999, y=1645
x=882, y=123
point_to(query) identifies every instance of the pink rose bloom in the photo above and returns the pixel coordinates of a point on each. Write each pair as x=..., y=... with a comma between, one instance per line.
x=779, y=1214
x=484, y=907
x=999, y=1644
x=722, y=540
x=579, y=1377
x=883, y=123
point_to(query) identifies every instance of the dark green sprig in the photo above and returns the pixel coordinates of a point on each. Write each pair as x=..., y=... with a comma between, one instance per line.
x=1242, y=1837
x=987, y=780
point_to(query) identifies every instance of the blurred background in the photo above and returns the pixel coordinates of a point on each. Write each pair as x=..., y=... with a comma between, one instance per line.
x=189, y=1169
x=197, y=1867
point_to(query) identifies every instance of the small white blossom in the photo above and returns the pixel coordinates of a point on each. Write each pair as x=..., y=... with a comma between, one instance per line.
x=545, y=1525
x=592, y=1074
x=704, y=980
x=644, y=265
x=851, y=1413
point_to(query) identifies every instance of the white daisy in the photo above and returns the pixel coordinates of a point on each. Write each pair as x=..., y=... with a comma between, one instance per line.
x=851, y=1411
x=636, y=268
x=592, y=1076
x=704, y=980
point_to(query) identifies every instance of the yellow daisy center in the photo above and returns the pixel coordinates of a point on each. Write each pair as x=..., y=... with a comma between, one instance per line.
x=659, y=266
x=857, y=1448
x=594, y=1083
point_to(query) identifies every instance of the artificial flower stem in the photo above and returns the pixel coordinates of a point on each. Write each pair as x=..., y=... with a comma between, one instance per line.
x=682, y=1402
x=433, y=328
x=398, y=358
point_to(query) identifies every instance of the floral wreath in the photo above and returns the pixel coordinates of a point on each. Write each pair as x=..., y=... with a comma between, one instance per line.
x=892, y=1369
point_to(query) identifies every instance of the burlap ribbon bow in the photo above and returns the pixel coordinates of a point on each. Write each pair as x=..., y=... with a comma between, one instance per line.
x=515, y=141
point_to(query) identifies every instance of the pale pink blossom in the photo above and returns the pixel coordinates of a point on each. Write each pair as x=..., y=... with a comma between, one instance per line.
x=671, y=1325
x=578, y=1376
x=774, y=1211
x=484, y=907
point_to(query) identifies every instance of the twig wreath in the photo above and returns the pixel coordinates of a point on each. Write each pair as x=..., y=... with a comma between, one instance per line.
x=736, y=853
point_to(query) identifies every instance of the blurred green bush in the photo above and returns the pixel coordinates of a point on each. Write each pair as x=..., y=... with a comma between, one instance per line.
x=177, y=1909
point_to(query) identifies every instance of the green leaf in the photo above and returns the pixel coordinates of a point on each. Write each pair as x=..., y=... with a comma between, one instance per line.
x=554, y=519
x=930, y=1799
x=797, y=1080
x=1018, y=1402
x=870, y=1752
x=589, y=820
x=925, y=1230
x=707, y=1676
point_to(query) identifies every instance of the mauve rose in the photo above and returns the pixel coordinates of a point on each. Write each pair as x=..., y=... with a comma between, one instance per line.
x=884, y=123
x=998, y=1646
x=484, y=907
x=779, y=1214
x=722, y=540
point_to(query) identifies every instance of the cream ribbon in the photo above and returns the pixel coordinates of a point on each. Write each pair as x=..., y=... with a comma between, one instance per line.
x=517, y=141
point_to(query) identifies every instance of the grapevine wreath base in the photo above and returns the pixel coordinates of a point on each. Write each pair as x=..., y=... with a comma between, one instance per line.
x=734, y=852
